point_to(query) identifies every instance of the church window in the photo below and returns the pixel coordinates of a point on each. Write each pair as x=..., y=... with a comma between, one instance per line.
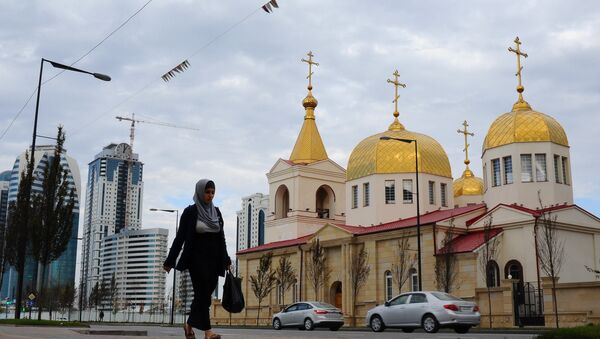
x=564, y=170
x=508, y=171
x=526, y=168
x=495, y=172
x=556, y=169
x=432, y=192
x=414, y=279
x=295, y=292
x=366, y=194
x=540, y=167
x=389, y=286
x=390, y=192
x=279, y=293
x=443, y=194
x=493, y=274
x=407, y=189
x=354, y=196
x=485, y=182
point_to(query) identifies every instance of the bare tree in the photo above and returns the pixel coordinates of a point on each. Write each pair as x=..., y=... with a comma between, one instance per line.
x=551, y=250
x=446, y=263
x=263, y=282
x=113, y=294
x=405, y=259
x=359, y=273
x=317, y=269
x=286, y=275
x=593, y=270
x=488, y=253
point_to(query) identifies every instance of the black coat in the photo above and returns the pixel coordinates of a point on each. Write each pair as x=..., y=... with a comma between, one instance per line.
x=186, y=235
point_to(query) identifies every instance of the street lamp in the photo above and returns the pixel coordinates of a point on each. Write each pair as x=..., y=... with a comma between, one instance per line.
x=174, y=270
x=21, y=239
x=408, y=141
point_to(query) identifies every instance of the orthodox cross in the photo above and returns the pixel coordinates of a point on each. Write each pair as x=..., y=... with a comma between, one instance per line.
x=519, y=53
x=396, y=96
x=466, y=133
x=310, y=62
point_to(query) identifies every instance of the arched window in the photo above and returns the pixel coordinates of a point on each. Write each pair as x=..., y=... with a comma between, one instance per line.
x=492, y=274
x=325, y=199
x=514, y=269
x=414, y=279
x=389, y=285
x=249, y=225
x=282, y=202
x=261, y=227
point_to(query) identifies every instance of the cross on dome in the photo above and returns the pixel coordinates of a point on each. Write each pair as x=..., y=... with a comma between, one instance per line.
x=520, y=104
x=396, y=84
x=466, y=150
x=310, y=62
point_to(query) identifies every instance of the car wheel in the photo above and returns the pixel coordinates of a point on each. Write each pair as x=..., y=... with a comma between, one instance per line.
x=277, y=324
x=308, y=324
x=376, y=324
x=335, y=328
x=430, y=324
x=462, y=328
x=408, y=330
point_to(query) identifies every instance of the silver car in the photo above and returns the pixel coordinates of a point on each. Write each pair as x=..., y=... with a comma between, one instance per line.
x=309, y=314
x=429, y=310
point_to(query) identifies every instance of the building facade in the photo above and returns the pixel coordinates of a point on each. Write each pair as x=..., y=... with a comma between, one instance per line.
x=110, y=205
x=251, y=221
x=135, y=258
x=62, y=270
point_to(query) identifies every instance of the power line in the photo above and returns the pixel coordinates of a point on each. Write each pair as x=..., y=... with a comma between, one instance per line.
x=76, y=61
x=142, y=89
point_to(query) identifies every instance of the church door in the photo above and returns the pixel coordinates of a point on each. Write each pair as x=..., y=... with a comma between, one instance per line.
x=336, y=294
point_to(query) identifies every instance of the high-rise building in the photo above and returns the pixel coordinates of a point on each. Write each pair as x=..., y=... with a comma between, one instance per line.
x=135, y=257
x=4, y=182
x=108, y=206
x=62, y=270
x=251, y=221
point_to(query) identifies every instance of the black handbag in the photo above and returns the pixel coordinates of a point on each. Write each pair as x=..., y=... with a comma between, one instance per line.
x=233, y=298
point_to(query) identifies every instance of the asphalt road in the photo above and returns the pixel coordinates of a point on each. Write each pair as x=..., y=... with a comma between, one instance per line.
x=157, y=332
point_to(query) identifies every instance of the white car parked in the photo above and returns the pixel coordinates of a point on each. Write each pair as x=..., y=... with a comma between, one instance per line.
x=429, y=310
x=309, y=314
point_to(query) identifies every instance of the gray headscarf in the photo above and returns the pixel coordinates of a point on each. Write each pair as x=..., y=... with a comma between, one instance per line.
x=208, y=218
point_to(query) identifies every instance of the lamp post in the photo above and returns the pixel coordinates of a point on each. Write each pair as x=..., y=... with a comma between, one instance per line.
x=174, y=270
x=29, y=180
x=408, y=141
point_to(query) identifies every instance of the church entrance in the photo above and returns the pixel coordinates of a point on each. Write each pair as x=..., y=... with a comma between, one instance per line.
x=335, y=294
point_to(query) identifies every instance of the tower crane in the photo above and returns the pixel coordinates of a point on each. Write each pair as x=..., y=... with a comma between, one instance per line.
x=128, y=189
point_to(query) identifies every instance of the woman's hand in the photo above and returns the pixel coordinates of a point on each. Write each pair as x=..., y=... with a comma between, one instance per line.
x=166, y=268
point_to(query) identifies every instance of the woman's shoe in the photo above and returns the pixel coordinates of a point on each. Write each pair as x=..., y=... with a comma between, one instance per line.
x=190, y=334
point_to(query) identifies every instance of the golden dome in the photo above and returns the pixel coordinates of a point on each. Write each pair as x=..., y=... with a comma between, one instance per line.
x=524, y=125
x=375, y=156
x=468, y=184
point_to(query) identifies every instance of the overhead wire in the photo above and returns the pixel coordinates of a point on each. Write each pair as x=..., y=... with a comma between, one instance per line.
x=73, y=63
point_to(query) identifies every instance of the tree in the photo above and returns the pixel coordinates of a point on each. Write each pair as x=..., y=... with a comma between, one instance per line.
x=65, y=297
x=98, y=294
x=405, y=260
x=317, y=269
x=18, y=229
x=359, y=273
x=113, y=294
x=263, y=282
x=286, y=275
x=551, y=250
x=488, y=253
x=446, y=263
x=52, y=214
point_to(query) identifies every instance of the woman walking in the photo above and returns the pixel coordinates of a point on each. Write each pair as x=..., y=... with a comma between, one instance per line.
x=204, y=255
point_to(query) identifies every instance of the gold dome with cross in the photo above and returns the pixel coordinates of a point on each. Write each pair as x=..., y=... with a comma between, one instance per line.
x=468, y=183
x=375, y=156
x=523, y=124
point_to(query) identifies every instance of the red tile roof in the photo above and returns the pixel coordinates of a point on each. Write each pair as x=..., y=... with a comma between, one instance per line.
x=428, y=218
x=277, y=244
x=468, y=242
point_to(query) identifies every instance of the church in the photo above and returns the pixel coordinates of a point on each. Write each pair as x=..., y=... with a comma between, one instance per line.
x=397, y=205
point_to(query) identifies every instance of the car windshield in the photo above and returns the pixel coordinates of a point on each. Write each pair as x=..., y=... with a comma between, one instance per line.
x=444, y=296
x=323, y=305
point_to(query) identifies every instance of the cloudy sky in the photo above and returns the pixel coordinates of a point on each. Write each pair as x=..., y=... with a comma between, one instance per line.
x=243, y=92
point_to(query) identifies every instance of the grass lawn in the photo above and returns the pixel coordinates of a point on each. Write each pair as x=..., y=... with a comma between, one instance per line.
x=581, y=332
x=33, y=322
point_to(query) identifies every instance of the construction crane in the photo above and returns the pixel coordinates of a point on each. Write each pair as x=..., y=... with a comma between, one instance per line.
x=133, y=121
